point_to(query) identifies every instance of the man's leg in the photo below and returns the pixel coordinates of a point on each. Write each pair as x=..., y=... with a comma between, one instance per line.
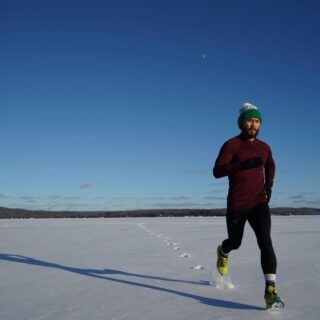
x=235, y=226
x=260, y=221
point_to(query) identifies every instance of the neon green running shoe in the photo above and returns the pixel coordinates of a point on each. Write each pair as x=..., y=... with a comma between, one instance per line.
x=273, y=300
x=222, y=262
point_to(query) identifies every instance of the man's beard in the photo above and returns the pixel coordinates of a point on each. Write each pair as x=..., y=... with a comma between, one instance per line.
x=250, y=135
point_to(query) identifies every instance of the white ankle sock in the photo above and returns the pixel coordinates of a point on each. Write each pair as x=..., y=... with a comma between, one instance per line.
x=270, y=277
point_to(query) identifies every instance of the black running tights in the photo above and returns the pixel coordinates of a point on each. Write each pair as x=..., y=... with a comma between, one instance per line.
x=260, y=221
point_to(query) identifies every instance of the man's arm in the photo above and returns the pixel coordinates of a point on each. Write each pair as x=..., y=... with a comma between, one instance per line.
x=269, y=169
x=269, y=172
x=223, y=166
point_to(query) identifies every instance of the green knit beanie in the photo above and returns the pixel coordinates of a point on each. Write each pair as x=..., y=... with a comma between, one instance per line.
x=248, y=111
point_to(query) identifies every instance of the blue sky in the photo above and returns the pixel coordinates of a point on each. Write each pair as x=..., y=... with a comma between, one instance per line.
x=115, y=105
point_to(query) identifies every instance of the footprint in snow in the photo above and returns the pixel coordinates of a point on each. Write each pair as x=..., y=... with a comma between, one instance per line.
x=172, y=244
x=199, y=267
x=185, y=255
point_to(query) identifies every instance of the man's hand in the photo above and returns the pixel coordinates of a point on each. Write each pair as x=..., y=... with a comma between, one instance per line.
x=250, y=163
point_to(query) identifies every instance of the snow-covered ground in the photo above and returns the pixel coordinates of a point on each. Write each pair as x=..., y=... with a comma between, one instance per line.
x=150, y=268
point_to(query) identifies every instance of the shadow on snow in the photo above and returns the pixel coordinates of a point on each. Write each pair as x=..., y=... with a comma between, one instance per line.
x=102, y=274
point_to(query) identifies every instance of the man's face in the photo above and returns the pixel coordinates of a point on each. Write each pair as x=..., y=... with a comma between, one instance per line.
x=251, y=127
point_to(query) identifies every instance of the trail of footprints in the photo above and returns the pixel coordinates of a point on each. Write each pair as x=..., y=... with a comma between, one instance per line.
x=172, y=245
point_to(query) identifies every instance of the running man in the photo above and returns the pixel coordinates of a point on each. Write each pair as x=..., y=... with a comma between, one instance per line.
x=248, y=163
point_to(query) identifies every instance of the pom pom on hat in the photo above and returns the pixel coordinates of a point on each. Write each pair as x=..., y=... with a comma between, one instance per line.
x=248, y=111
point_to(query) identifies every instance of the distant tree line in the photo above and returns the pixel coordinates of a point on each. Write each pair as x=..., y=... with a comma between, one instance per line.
x=10, y=213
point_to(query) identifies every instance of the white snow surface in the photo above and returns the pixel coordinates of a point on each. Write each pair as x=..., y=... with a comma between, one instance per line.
x=129, y=268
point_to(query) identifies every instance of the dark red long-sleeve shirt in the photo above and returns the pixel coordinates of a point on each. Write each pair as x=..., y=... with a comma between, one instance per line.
x=246, y=187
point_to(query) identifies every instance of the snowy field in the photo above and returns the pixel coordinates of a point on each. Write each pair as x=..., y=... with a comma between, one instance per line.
x=151, y=268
